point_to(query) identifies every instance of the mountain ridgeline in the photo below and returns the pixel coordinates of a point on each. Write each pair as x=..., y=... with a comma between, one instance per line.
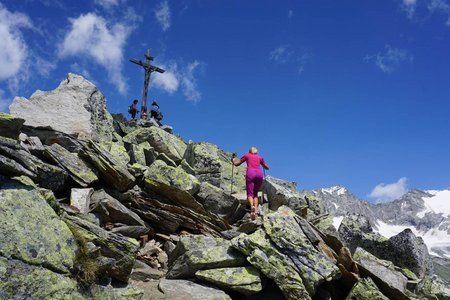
x=99, y=207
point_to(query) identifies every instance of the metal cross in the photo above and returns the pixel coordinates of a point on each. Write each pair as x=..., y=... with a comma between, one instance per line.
x=148, y=70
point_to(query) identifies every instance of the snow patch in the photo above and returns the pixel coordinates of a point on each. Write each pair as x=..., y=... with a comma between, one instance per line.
x=433, y=238
x=337, y=222
x=335, y=205
x=438, y=203
x=339, y=190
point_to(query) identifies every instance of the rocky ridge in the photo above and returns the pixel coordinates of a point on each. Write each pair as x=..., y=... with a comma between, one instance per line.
x=128, y=210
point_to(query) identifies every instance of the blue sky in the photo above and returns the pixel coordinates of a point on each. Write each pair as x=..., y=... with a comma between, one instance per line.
x=355, y=93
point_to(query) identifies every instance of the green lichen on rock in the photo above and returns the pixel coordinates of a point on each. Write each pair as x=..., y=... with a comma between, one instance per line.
x=128, y=293
x=263, y=255
x=313, y=266
x=19, y=280
x=246, y=280
x=163, y=142
x=10, y=126
x=174, y=183
x=78, y=170
x=33, y=233
x=432, y=287
x=365, y=289
x=113, y=171
x=198, y=252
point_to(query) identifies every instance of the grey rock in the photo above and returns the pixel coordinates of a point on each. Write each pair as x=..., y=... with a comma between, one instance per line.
x=142, y=272
x=245, y=280
x=121, y=249
x=10, y=126
x=81, y=109
x=131, y=231
x=19, y=280
x=166, y=159
x=78, y=170
x=80, y=198
x=184, y=289
x=216, y=201
x=197, y=252
x=111, y=210
x=366, y=289
x=281, y=192
x=113, y=172
x=47, y=175
x=204, y=159
x=33, y=233
x=391, y=283
x=408, y=251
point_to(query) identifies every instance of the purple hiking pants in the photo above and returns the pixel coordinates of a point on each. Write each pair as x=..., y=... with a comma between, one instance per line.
x=253, y=181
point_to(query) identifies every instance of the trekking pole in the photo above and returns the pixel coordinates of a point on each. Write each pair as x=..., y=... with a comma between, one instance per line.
x=232, y=172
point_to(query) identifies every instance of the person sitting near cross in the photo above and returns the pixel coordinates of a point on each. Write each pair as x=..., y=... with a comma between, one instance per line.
x=155, y=112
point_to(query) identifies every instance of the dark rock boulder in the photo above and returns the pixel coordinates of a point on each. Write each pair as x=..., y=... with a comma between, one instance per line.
x=111, y=210
x=408, y=251
x=10, y=126
x=114, y=173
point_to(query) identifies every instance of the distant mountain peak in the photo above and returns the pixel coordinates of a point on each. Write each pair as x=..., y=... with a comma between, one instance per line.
x=335, y=190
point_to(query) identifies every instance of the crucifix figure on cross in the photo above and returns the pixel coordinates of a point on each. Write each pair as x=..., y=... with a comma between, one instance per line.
x=148, y=70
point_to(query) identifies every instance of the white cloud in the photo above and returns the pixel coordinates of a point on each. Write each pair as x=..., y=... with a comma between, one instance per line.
x=107, y=3
x=162, y=14
x=391, y=59
x=13, y=51
x=189, y=83
x=176, y=78
x=281, y=54
x=409, y=6
x=91, y=36
x=167, y=81
x=388, y=192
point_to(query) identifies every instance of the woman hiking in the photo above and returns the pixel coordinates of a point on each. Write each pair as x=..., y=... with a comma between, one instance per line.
x=253, y=177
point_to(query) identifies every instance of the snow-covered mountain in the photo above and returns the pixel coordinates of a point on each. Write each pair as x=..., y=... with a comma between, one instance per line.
x=426, y=213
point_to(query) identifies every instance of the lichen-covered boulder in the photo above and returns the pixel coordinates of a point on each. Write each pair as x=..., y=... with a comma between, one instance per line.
x=188, y=290
x=120, y=249
x=78, y=170
x=216, y=201
x=113, y=172
x=286, y=232
x=245, y=280
x=204, y=159
x=432, y=287
x=355, y=231
x=263, y=255
x=390, y=281
x=11, y=168
x=198, y=252
x=139, y=153
x=163, y=142
x=75, y=107
x=33, y=233
x=107, y=292
x=281, y=192
x=10, y=126
x=366, y=289
x=19, y=280
x=174, y=183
